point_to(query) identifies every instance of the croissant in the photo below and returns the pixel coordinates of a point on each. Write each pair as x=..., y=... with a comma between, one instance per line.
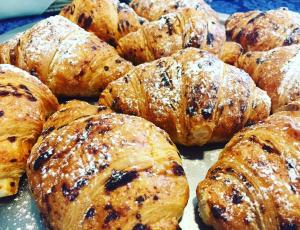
x=102, y=170
x=276, y=71
x=108, y=19
x=24, y=105
x=187, y=27
x=258, y=31
x=192, y=95
x=255, y=182
x=69, y=60
x=154, y=9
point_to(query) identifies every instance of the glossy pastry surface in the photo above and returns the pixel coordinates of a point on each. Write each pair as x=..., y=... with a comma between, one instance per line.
x=276, y=71
x=25, y=103
x=186, y=27
x=108, y=19
x=101, y=170
x=194, y=96
x=69, y=60
x=255, y=183
x=257, y=31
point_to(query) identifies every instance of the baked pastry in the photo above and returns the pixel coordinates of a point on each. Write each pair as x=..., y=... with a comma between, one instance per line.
x=106, y=171
x=275, y=71
x=187, y=27
x=255, y=182
x=154, y=9
x=69, y=60
x=258, y=31
x=108, y=19
x=292, y=106
x=230, y=52
x=192, y=95
x=24, y=105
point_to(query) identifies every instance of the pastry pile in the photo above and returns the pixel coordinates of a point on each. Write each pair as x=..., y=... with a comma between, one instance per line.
x=164, y=72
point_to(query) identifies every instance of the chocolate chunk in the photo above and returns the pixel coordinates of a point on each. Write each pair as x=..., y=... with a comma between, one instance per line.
x=138, y=216
x=13, y=160
x=256, y=17
x=119, y=179
x=192, y=108
x=237, y=198
x=177, y=169
x=140, y=227
x=70, y=194
x=31, y=98
x=23, y=87
x=140, y=199
x=259, y=61
x=290, y=39
x=90, y=213
x=12, y=139
x=252, y=37
x=47, y=131
x=239, y=36
x=112, y=215
x=288, y=226
x=1, y=113
x=207, y=111
x=165, y=79
x=42, y=158
x=210, y=38
x=218, y=212
x=106, y=68
x=4, y=93
x=170, y=26
x=85, y=21
x=155, y=197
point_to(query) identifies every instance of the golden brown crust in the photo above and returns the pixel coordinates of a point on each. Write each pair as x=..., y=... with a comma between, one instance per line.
x=230, y=52
x=276, y=71
x=192, y=95
x=187, y=27
x=71, y=61
x=24, y=105
x=108, y=19
x=257, y=31
x=255, y=183
x=154, y=9
x=106, y=171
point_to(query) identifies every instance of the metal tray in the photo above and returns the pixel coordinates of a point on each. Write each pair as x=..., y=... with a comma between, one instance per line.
x=20, y=211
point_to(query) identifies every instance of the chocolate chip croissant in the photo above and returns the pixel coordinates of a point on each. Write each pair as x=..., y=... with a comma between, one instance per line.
x=94, y=169
x=276, y=71
x=108, y=19
x=257, y=31
x=154, y=9
x=186, y=27
x=25, y=103
x=192, y=95
x=256, y=182
x=69, y=60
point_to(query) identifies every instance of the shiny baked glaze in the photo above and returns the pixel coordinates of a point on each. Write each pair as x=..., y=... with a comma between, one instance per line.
x=186, y=27
x=154, y=9
x=101, y=170
x=71, y=61
x=257, y=31
x=24, y=105
x=256, y=182
x=108, y=19
x=275, y=71
x=192, y=95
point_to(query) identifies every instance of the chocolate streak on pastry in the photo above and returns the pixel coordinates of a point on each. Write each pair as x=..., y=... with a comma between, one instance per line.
x=119, y=179
x=140, y=227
